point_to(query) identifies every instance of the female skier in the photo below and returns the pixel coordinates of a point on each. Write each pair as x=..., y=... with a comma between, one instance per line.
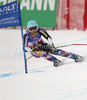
x=39, y=48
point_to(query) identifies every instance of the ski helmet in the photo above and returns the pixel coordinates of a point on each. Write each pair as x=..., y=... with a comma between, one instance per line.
x=32, y=24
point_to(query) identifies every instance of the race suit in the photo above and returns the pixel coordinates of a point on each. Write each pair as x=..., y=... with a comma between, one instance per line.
x=40, y=48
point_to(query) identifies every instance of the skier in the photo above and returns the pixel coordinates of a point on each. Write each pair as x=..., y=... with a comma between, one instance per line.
x=39, y=48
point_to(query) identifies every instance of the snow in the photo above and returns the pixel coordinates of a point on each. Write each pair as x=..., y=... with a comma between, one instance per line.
x=43, y=81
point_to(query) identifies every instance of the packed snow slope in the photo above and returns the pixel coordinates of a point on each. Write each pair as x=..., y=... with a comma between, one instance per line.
x=43, y=81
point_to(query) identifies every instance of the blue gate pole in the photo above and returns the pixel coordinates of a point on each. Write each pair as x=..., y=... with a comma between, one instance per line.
x=24, y=50
x=22, y=37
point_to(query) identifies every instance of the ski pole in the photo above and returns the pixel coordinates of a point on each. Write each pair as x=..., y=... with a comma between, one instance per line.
x=71, y=44
x=63, y=46
x=29, y=57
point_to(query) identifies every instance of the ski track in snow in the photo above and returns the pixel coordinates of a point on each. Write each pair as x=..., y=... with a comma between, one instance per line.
x=43, y=81
x=39, y=70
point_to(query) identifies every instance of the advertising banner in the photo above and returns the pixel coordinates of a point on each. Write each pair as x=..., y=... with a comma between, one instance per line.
x=43, y=11
x=9, y=15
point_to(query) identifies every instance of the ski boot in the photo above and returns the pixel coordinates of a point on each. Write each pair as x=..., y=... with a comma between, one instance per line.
x=77, y=58
x=57, y=63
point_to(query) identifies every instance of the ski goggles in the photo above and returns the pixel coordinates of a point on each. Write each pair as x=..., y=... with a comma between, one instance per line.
x=33, y=28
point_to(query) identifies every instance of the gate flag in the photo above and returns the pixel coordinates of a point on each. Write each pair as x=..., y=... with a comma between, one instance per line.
x=10, y=15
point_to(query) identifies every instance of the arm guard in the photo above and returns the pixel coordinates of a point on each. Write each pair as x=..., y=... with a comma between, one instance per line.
x=45, y=35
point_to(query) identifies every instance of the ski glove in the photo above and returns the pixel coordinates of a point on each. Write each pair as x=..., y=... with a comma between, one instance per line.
x=34, y=51
x=52, y=47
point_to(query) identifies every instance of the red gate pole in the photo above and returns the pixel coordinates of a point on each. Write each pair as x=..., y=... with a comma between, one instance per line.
x=85, y=16
x=68, y=26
